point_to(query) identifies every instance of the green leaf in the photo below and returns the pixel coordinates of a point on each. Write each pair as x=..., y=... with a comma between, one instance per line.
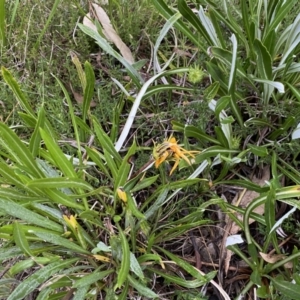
x=141, y=185
x=12, y=194
x=106, y=142
x=123, y=272
x=17, y=92
x=288, y=289
x=22, y=213
x=58, y=156
x=60, y=182
x=226, y=57
x=245, y=183
x=167, y=13
x=39, y=277
x=107, y=48
x=124, y=169
x=141, y=288
x=21, y=154
x=58, y=240
x=133, y=207
x=260, y=151
x=211, y=91
x=89, y=90
x=192, y=131
x=35, y=139
x=91, y=278
x=20, y=239
x=264, y=60
x=205, y=30
x=28, y=263
x=294, y=91
x=280, y=15
x=135, y=267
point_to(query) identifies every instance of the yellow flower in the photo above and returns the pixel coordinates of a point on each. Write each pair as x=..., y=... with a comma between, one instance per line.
x=169, y=150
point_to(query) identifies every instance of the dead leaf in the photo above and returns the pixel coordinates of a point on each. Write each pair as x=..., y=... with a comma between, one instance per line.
x=272, y=258
x=79, y=98
x=108, y=31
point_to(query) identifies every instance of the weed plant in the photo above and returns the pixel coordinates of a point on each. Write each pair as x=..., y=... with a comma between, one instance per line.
x=88, y=206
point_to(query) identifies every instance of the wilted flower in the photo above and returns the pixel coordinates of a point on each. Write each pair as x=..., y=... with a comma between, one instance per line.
x=169, y=150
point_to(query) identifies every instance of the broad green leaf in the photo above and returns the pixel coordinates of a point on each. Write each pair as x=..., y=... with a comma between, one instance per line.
x=124, y=168
x=12, y=194
x=21, y=154
x=141, y=288
x=58, y=156
x=210, y=29
x=135, y=267
x=221, y=137
x=89, y=90
x=155, y=206
x=264, y=60
x=39, y=277
x=193, y=131
x=123, y=272
x=20, y=239
x=275, y=84
x=211, y=91
x=131, y=205
x=288, y=289
x=60, y=182
x=28, y=263
x=58, y=240
x=258, y=122
x=212, y=152
x=260, y=151
x=141, y=185
x=81, y=293
x=91, y=278
x=22, y=213
x=106, y=142
x=220, y=106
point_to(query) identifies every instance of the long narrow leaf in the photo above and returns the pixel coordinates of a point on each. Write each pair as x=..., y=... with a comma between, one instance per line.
x=22, y=213
x=39, y=277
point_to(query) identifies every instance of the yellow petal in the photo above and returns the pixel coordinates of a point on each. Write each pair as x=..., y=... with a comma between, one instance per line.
x=122, y=194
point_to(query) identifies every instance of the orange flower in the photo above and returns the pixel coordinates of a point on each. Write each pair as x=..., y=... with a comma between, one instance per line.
x=169, y=150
